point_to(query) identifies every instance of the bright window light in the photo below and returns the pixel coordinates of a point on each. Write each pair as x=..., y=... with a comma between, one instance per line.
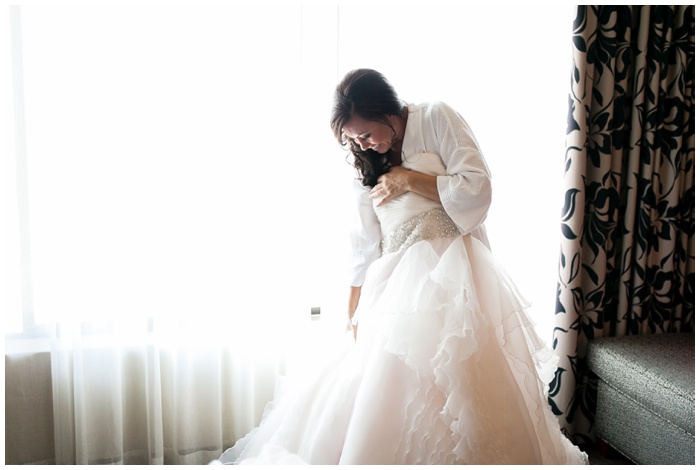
x=181, y=165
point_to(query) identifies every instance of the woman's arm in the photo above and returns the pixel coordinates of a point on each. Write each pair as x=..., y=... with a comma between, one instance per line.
x=365, y=234
x=352, y=306
x=465, y=192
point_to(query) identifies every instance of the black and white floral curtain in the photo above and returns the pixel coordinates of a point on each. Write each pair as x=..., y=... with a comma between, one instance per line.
x=627, y=264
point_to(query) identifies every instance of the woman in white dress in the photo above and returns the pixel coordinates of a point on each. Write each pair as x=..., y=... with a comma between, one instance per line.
x=446, y=367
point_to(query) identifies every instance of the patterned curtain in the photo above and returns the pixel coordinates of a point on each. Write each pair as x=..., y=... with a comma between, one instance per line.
x=627, y=264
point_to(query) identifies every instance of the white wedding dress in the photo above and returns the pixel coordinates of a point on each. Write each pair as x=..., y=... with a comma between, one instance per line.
x=447, y=368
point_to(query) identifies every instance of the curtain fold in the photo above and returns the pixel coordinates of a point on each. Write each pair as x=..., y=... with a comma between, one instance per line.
x=131, y=398
x=627, y=260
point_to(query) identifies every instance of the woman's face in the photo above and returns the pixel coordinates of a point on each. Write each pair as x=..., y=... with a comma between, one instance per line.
x=369, y=134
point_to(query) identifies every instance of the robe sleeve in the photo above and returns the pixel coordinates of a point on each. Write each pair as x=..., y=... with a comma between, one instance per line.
x=465, y=192
x=365, y=234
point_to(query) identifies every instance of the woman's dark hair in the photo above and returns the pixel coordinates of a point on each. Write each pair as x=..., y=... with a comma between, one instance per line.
x=367, y=94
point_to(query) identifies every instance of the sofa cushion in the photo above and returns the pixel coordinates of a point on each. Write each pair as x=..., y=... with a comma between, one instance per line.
x=655, y=371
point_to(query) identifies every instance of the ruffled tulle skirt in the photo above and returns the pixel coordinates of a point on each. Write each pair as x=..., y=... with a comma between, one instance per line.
x=447, y=369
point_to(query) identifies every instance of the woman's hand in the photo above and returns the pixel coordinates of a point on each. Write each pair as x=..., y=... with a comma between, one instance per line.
x=353, y=301
x=352, y=327
x=392, y=184
x=399, y=180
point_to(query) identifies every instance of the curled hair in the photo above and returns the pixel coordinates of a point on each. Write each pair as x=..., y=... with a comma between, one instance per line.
x=367, y=94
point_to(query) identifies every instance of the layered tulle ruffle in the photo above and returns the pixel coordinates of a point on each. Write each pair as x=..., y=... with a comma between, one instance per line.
x=447, y=369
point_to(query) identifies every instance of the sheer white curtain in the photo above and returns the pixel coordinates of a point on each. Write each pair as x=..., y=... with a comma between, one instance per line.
x=175, y=197
x=174, y=212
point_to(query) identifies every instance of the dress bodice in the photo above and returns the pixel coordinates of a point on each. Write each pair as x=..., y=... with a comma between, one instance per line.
x=410, y=217
x=408, y=205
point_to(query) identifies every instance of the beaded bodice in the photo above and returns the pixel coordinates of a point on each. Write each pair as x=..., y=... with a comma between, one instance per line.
x=426, y=226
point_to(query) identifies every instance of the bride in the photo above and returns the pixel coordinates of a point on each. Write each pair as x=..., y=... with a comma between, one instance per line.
x=446, y=367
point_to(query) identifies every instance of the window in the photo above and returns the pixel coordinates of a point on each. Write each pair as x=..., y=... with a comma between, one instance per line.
x=179, y=162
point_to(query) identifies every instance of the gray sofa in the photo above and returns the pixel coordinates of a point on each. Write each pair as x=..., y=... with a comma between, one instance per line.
x=646, y=396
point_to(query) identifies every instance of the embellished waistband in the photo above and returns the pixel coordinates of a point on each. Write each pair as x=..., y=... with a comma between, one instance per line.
x=429, y=225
